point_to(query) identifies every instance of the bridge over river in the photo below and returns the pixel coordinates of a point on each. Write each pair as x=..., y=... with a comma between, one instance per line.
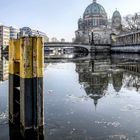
x=68, y=47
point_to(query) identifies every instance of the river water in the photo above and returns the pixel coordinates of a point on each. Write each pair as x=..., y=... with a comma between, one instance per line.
x=93, y=98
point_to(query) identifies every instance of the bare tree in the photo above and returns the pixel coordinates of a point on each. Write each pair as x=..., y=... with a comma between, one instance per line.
x=132, y=22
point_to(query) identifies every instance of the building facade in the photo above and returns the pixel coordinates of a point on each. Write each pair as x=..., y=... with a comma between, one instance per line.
x=95, y=24
x=26, y=31
x=63, y=40
x=54, y=39
x=14, y=32
x=4, y=36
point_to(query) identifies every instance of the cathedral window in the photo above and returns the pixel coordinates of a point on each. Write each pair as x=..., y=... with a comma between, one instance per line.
x=96, y=22
x=93, y=22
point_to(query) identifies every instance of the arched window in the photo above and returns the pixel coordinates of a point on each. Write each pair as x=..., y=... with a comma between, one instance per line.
x=95, y=22
x=88, y=22
x=91, y=23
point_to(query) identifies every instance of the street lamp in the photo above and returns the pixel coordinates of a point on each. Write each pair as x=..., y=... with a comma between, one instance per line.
x=92, y=42
x=89, y=37
x=92, y=38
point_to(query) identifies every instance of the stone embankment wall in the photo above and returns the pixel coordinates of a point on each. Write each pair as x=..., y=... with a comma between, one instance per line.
x=126, y=49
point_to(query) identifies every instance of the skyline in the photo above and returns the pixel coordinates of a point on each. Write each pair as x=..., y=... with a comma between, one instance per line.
x=57, y=18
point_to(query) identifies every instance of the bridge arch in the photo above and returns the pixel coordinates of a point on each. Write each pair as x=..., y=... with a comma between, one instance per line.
x=66, y=45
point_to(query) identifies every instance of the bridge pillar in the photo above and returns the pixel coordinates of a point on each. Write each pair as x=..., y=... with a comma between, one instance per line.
x=131, y=40
x=138, y=38
x=135, y=38
x=124, y=41
x=26, y=84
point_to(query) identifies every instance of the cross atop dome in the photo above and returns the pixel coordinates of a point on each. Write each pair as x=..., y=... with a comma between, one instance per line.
x=94, y=0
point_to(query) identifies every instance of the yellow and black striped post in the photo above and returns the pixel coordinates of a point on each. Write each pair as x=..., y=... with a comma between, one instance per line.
x=26, y=59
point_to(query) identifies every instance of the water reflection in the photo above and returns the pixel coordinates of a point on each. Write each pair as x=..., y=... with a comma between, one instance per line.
x=93, y=76
x=4, y=69
x=131, y=67
x=96, y=74
x=117, y=80
x=74, y=89
x=110, y=83
x=64, y=55
x=15, y=134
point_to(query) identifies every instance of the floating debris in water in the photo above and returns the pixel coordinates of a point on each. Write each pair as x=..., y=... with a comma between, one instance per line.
x=130, y=107
x=77, y=99
x=94, y=95
x=117, y=137
x=68, y=122
x=50, y=92
x=72, y=131
x=114, y=124
x=3, y=118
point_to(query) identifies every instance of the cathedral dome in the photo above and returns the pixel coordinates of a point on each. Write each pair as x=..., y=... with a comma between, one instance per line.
x=116, y=14
x=80, y=20
x=116, y=20
x=95, y=9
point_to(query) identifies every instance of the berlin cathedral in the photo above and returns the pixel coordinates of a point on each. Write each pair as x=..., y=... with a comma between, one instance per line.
x=95, y=24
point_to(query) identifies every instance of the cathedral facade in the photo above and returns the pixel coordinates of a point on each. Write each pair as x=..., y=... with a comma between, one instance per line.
x=96, y=25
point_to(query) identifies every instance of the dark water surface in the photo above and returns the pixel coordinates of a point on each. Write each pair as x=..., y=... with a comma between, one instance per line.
x=97, y=98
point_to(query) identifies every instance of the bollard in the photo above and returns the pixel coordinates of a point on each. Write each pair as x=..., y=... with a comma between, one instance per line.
x=26, y=59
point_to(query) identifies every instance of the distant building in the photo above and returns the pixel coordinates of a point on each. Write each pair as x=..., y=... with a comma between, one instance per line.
x=73, y=39
x=26, y=31
x=54, y=39
x=14, y=32
x=63, y=40
x=46, y=38
x=95, y=21
x=4, y=36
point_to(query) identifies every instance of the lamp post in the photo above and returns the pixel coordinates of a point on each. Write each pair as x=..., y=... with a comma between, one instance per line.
x=92, y=42
x=89, y=38
x=92, y=38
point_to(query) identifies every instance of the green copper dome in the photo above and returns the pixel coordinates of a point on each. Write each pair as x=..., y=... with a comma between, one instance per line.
x=116, y=14
x=95, y=9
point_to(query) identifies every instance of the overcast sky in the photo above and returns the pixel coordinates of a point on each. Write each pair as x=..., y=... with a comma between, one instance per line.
x=58, y=18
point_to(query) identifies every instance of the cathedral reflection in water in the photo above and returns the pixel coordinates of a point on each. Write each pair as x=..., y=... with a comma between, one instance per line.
x=99, y=72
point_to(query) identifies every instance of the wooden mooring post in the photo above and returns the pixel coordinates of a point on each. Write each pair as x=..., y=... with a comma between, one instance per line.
x=26, y=109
